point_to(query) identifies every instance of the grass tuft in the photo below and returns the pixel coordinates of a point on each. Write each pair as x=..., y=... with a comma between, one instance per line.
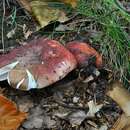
x=110, y=18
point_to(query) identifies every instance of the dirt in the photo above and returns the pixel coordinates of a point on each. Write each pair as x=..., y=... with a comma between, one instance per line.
x=64, y=105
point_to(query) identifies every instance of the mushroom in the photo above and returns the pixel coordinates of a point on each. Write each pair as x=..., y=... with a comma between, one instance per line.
x=84, y=52
x=39, y=64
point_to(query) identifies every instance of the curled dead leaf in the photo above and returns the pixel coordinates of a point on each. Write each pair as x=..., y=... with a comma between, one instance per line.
x=122, y=97
x=10, y=117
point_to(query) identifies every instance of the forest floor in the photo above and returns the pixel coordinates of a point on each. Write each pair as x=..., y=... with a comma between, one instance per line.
x=64, y=105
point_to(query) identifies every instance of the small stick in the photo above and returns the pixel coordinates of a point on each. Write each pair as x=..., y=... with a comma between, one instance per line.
x=2, y=30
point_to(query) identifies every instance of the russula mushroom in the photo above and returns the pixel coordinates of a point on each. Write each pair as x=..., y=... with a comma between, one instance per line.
x=42, y=62
x=83, y=52
x=37, y=64
x=122, y=97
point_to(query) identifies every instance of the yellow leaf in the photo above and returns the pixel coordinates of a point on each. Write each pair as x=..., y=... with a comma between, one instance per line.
x=122, y=97
x=72, y=2
x=10, y=117
x=123, y=123
x=44, y=13
x=25, y=4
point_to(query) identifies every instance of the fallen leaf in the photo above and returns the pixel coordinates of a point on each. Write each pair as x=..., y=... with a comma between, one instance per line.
x=72, y=2
x=93, y=108
x=10, y=117
x=75, y=117
x=46, y=11
x=37, y=119
x=123, y=123
x=122, y=97
x=25, y=4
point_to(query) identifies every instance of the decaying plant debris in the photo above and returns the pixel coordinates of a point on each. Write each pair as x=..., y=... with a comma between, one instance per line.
x=79, y=101
x=67, y=105
x=10, y=117
x=122, y=97
x=47, y=11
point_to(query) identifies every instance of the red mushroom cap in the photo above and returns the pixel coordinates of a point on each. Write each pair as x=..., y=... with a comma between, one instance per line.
x=38, y=64
x=83, y=51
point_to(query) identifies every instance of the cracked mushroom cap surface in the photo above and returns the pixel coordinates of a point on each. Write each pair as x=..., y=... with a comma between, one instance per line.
x=38, y=64
x=83, y=52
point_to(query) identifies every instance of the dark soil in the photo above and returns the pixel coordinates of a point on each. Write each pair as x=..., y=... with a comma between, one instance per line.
x=64, y=105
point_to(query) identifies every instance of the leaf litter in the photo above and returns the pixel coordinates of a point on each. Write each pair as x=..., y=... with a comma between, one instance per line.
x=44, y=106
x=58, y=104
x=47, y=11
x=10, y=117
x=53, y=107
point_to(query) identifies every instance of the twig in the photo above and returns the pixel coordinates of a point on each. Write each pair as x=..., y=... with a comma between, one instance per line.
x=2, y=30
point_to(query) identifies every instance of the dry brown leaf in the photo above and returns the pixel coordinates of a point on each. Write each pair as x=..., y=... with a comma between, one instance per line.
x=72, y=2
x=10, y=117
x=44, y=12
x=122, y=97
x=123, y=123
x=25, y=4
